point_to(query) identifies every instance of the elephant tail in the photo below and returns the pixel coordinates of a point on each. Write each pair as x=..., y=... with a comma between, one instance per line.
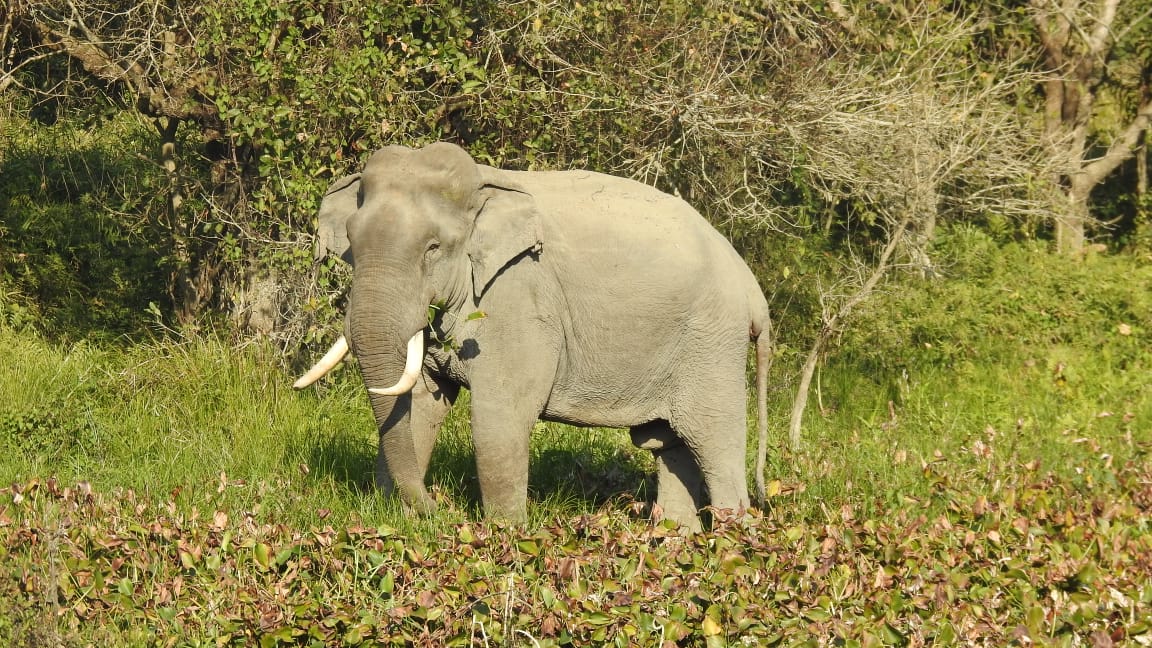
x=762, y=334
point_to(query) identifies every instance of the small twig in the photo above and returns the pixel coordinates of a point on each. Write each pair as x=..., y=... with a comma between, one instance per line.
x=833, y=325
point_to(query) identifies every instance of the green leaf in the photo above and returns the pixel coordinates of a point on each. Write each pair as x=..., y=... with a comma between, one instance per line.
x=187, y=561
x=284, y=555
x=598, y=619
x=262, y=553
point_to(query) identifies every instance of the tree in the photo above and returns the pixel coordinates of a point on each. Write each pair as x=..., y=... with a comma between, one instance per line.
x=1090, y=48
x=130, y=55
x=271, y=100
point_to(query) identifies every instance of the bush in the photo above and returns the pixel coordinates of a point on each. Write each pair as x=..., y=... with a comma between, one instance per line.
x=82, y=250
x=1003, y=304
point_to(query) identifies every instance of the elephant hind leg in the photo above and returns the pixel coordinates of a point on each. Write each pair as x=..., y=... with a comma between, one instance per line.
x=679, y=485
x=717, y=435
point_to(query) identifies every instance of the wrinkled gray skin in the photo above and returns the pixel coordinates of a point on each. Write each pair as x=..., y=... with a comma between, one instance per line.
x=606, y=302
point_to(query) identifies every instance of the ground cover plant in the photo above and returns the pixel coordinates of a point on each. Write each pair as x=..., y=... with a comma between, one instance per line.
x=1043, y=561
x=976, y=473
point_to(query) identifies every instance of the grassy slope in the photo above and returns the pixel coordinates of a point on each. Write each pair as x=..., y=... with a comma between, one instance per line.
x=1024, y=359
x=1008, y=476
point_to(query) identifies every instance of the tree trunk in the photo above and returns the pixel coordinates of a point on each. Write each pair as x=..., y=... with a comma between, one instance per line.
x=919, y=239
x=1071, y=226
x=800, y=403
x=1076, y=55
x=185, y=297
x=191, y=284
x=1142, y=149
x=1142, y=167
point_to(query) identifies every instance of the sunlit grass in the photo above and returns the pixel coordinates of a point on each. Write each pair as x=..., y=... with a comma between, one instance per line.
x=948, y=380
x=222, y=425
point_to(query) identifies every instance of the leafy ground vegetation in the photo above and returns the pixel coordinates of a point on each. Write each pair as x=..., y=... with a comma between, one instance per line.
x=1043, y=560
x=977, y=474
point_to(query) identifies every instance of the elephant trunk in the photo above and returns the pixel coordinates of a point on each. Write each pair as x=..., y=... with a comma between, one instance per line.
x=381, y=323
x=380, y=333
x=412, y=365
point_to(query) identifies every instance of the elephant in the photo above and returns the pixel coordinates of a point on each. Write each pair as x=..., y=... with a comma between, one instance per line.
x=568, y=296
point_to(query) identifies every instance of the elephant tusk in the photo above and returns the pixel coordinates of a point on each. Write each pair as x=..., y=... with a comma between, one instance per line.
x=325, y=364
x=411, y=369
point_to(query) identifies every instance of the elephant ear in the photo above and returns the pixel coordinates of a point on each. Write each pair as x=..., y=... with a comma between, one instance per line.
x=507, y=225
x=339, y=202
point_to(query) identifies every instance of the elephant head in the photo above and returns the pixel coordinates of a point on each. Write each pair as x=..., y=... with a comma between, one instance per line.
x=419, y=226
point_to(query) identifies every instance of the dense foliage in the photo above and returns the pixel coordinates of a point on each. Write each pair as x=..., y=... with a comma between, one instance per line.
x=1040, y=561
x=810, y=134
x=81, y=251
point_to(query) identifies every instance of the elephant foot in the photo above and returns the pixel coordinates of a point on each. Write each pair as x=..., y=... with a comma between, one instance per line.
x=679, y=484
x=422, y=504
x=414, y=500
x=516, y=518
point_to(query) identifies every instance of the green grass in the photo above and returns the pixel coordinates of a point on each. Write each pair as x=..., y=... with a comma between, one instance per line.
x=979, y=446
x=987, y=371
x=222, y=425
x=1021, y=357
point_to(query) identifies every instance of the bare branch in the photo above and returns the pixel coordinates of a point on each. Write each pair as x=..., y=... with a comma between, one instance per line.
x=1122, y=148
x=833, y=324
x=1098, y=40
x=1121, y=34
x=129, y=47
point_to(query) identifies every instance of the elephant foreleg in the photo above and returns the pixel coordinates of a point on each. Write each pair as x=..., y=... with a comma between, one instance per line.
x=430, y=401
x=500, y=435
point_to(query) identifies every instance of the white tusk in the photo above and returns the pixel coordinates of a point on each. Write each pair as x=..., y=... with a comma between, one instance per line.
x=330, y=359
x=412, y=367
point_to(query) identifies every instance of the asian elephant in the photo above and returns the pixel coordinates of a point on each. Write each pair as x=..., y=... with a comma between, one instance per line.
x=567, y=296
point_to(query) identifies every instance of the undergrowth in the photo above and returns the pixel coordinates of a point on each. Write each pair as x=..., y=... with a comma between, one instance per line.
x=1040, y=561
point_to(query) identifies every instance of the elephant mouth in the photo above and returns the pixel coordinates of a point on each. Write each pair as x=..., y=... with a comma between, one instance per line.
x=412, y=364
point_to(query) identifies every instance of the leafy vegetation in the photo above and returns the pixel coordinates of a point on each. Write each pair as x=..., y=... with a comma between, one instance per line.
x=83, y=249
x=1042, y=561
x=829, y=124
